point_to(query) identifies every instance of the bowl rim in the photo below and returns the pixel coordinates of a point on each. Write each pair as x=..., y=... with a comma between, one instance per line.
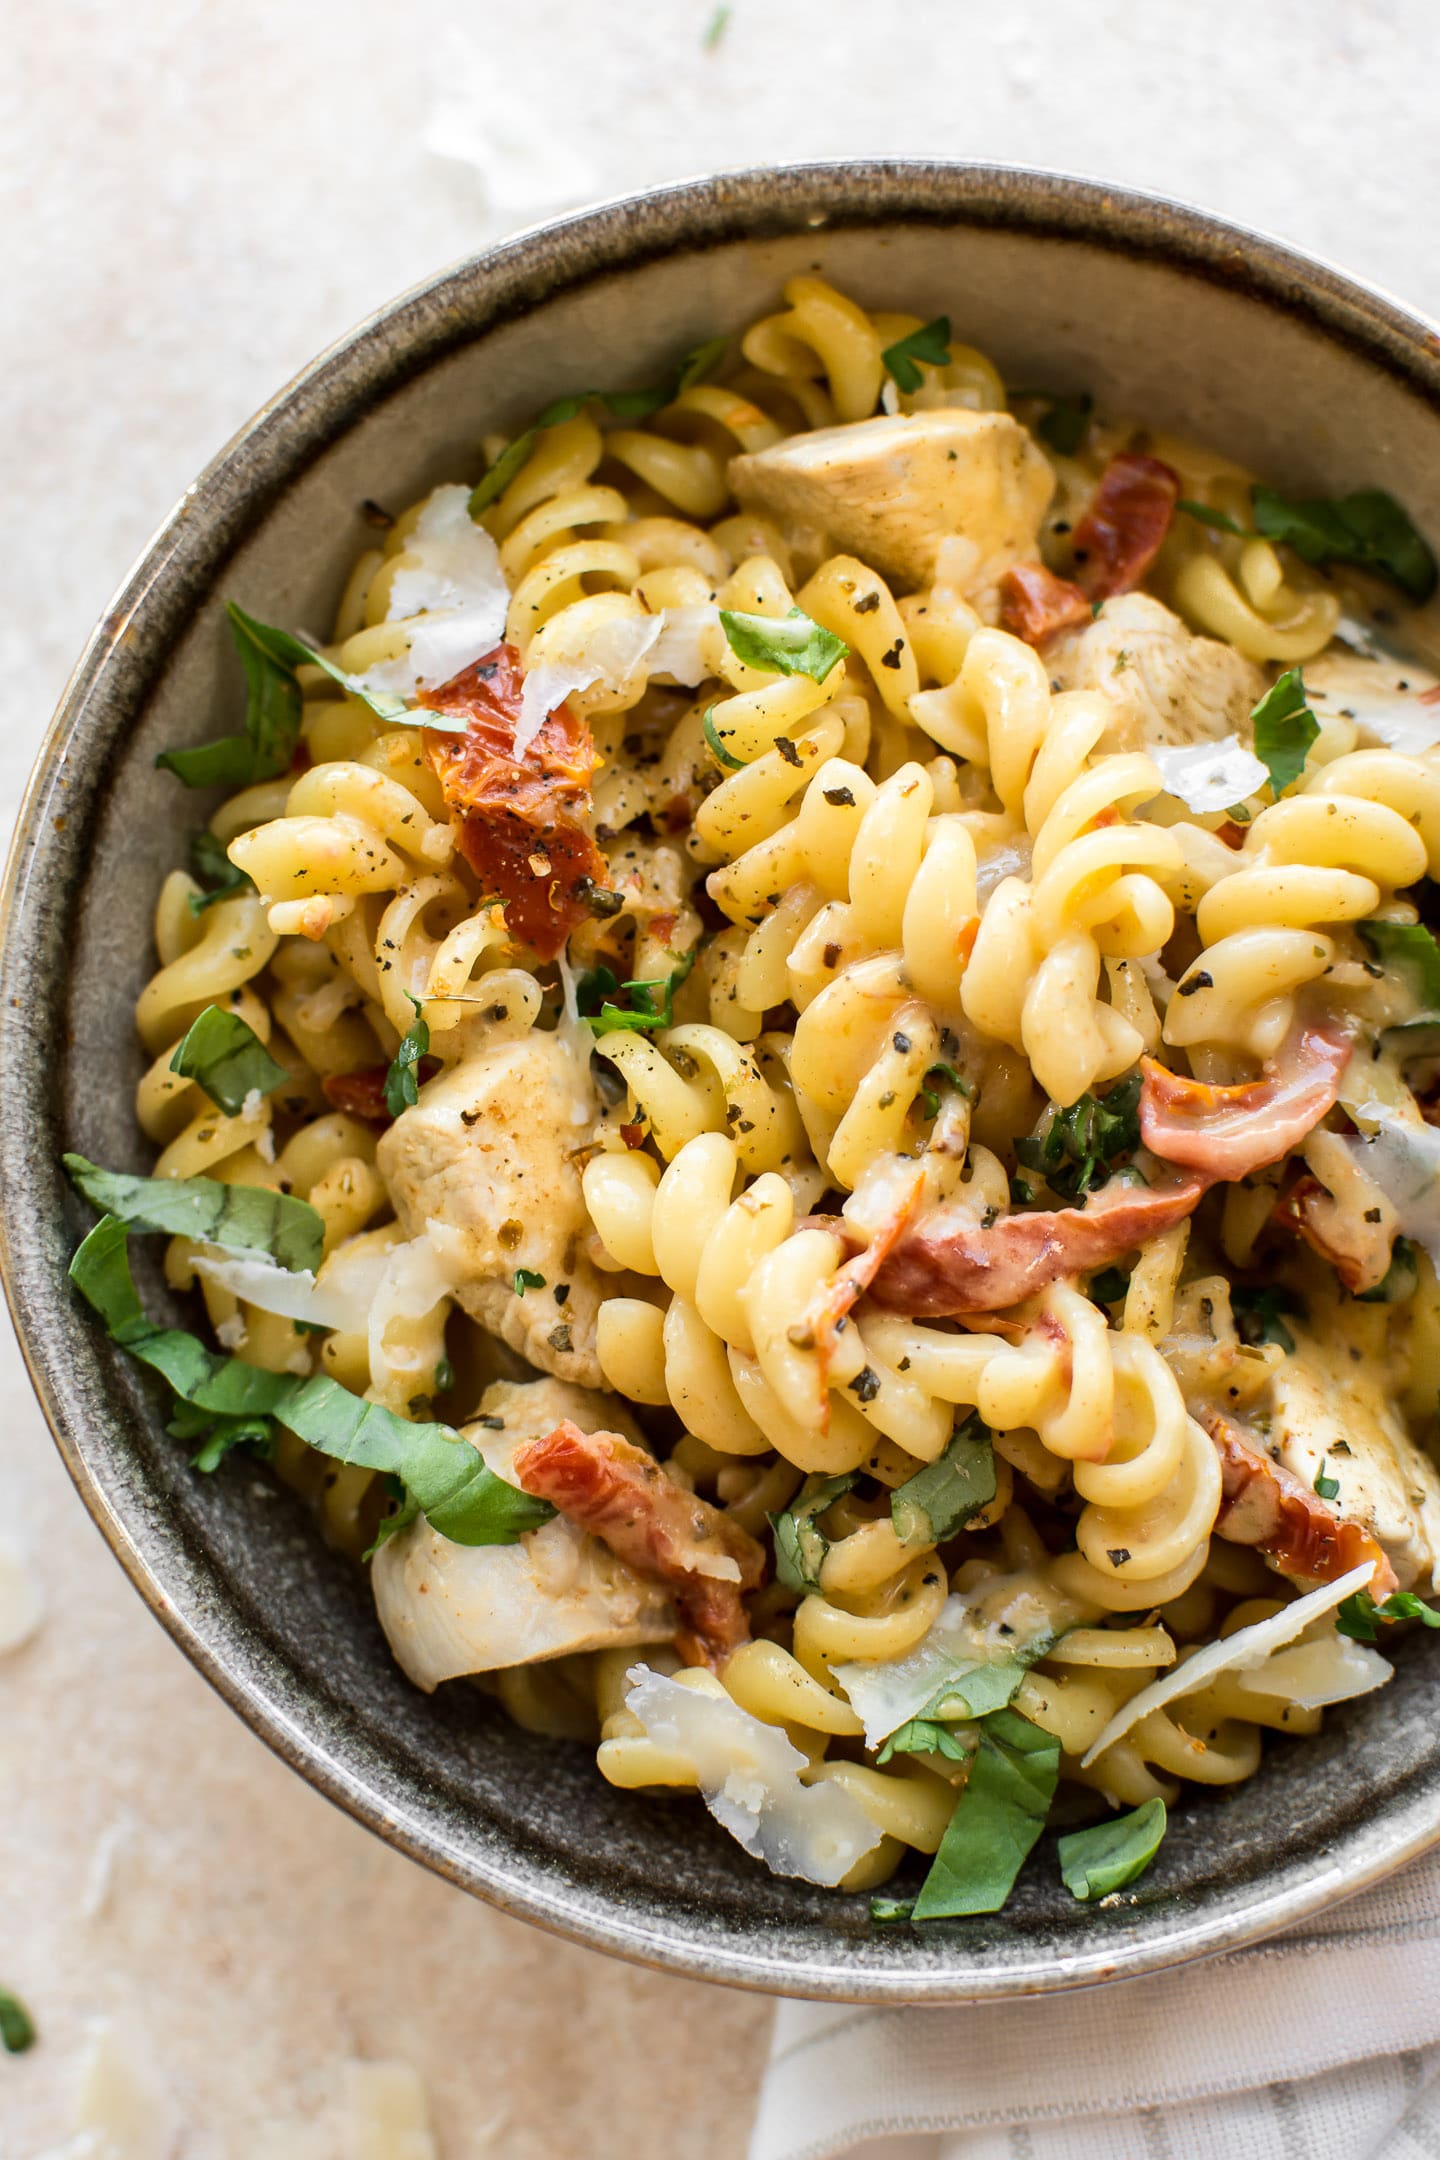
x=571, y=251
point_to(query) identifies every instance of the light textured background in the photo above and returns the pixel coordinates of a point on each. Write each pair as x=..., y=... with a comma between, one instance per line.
x=197, y=198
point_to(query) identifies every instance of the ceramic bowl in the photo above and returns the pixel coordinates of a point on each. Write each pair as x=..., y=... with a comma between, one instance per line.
x=1164, y=314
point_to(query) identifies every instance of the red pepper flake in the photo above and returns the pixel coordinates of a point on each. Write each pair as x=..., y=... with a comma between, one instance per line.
x=361, y=1093
x=633, y=1135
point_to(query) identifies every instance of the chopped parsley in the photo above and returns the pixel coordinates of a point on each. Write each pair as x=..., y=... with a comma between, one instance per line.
x=1082, y=1147
x=402, y=1083
x=1257, y=1309
x=930, y=343
x=1063, y=428
x=929, y=1097
x=1368, y=529
x=526, y=1278
x=646, y=1009
x=1328, y=1488
x=1285, y=728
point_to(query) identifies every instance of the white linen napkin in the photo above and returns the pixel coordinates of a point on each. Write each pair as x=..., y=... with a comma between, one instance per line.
x=1319, y=2045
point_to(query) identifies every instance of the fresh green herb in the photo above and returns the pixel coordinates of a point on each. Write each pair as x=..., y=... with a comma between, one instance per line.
x=644, y=1011
x=712, y=736
x=715, y=29
x=242, y=1218
x=442, y=1474
x=694, y=367
x=17, y=2027
x=929, y=1097
x=1111, y=1854
x=1369, y=529
x=977, y=1689
x=931, y=344
x=228, y=1059
x=886, y=1911
x=997, y=1819
x=444, y=1376
x=1400, y=1281
x=526, y=1278
x=800, y=1545
x=924, y=1736
x=1328, y=1488
x=1257, y=1313
x=1215, y=519
x=1408, y=950
x=1064, y=426
x=934, y=1503
x=592, y=988
x=1082, y=1147
x=214, y=869
x=1358, y=1614
x=1109, y=1286
x=402, y=1089
x=1285, y=728
x=783, y=644
x=220, y=1436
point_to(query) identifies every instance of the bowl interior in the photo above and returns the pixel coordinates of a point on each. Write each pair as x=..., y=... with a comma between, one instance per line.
x=1163, y=316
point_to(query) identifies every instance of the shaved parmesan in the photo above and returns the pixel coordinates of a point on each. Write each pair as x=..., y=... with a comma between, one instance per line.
x=673, y=643
x=389, y=2119
x=1007, y=1625
x=417, y=1275
x=1209, y=775
x=1400, y=1156
x=1247, y=1648
x=749, y=1777
x=1314, y=1674
x=293, y=1294
x=1380, y=692
x=683, y=650
x=451, y=591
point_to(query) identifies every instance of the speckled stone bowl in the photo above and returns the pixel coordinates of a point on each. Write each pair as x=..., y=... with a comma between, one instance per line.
x=1164, y=314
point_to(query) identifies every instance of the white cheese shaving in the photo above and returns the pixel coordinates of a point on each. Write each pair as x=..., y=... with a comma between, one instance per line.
x=388, y=2114
x=749, y=1777
x=416, y=1277
x=1209, y=775
x=121, y=2109
x=1400, y=1156
x=21, y=1605
x=1247, y=1648
x=674, y=643
x=1314, y=1674
x=684, y=649
x=292, y=1294
x=452, y=591
x=1380, y=692
x=888, y=1693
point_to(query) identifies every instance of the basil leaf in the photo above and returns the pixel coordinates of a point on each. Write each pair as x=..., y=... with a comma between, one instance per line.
x=228, y=1059
x=783, y=645
x=442, y=1474
x=499, y=476
x=1408, y=950
x=933, y=1504
x=1400, y=1281
x=924, y=1736
x=1257, y=1311
x=1064, y=426
x=402, y=1089
x=526, y=1278
x=800, y=1545
x=1109, y=1286
x=1369, y=529
x=221, y=1436
x=644, y=1012
x=242, y=1218
x=997, y=1819
x=931, y=343
x=1215, y=519
x=1104, y=1858
x=17, y=2027
x=1285, y=728
x=1327, y=1488
x=1357, y=1615
x=1082, y=1146
x=213, y=867
x=886, y=1910
x=592, y=988
x=712, y=736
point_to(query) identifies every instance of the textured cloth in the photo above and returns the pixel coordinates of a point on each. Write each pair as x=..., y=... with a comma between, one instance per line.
x=1320, y=2045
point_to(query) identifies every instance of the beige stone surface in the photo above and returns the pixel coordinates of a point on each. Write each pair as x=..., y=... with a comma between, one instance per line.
x=195, y=199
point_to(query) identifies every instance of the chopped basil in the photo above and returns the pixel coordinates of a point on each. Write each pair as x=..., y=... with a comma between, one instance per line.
x=1109, y=1286
x=228, y=1059
x=526, y=1278
x=887, y=1910
x=592, y=988
x=402, y=1090
x=712, y=736
x=800, y=1545
x=1358, y=1614
x=219, y=1436
x=702, y=360
x=644, y=1010
x=1257, y=1311
x=935, y=1503
x=924, y=1736
x=442, y=1474
x=931, y=343
x=214, y=869
x=1285, y=728
x=242, y=1218
x=1400, y=1281
x=929, y=1097
x=17, y=2027
x=1408, y=950
x=1215, y=519
x=783, y=644
x=1081, y=1147
x=1369, y=529
x=1064, y=426
x=997, y=1819
x=1328, y=1488
x=1111, y=1854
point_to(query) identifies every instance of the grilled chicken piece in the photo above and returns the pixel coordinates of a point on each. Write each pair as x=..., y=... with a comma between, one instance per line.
x=1163, y=685
x=891, y=489
x=1264, y=1505
x=449, y=1609
x=489, y=1151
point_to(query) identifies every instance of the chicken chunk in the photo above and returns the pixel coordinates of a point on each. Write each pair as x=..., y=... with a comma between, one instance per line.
x=488, y=1151
x=449, y=1609
x=1164, y=685
x=1330, y=1408
x=891, y=490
